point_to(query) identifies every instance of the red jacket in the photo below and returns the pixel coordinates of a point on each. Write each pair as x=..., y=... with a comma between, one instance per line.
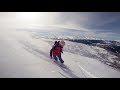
x=56, y=50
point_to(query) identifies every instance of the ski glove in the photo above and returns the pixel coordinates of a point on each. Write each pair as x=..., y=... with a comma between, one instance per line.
x=51, y=57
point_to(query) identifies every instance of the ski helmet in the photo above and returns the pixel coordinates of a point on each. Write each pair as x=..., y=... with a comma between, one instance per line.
x=62, y=43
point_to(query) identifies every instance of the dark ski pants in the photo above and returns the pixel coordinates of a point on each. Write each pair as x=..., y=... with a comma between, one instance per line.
x=58, y=57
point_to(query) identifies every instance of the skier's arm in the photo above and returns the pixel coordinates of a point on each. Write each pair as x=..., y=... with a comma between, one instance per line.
x=52, y=51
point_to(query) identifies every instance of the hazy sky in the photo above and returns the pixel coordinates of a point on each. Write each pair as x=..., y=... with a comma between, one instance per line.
x=102, y=24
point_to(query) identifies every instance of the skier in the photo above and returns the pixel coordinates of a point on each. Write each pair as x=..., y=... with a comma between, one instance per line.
x=57, y=50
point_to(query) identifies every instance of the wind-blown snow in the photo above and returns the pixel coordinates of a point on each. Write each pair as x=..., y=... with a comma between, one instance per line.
x=21, y=56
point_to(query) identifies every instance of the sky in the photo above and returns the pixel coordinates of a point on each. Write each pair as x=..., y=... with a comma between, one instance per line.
x=104, y=25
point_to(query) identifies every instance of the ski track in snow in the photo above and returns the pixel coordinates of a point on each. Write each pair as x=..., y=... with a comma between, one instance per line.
x=88, y=73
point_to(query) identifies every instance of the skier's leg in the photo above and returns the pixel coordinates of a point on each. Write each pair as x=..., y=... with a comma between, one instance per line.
x=55, y=58
x=60, y=58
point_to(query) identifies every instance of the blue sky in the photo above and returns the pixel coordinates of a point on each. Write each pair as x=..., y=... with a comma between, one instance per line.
x=104, y=25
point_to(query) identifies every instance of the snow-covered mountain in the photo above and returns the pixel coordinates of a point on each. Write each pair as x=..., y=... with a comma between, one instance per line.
x=25, y=53
x=107, y=51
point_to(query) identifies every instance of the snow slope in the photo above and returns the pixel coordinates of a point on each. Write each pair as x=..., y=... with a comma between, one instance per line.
x=22, y=56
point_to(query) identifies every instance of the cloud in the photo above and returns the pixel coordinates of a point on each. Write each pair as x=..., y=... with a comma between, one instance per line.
x=95, y=24
x=89, y=19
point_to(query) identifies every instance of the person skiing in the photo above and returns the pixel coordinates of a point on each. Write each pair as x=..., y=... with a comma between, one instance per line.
x=57, y=50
